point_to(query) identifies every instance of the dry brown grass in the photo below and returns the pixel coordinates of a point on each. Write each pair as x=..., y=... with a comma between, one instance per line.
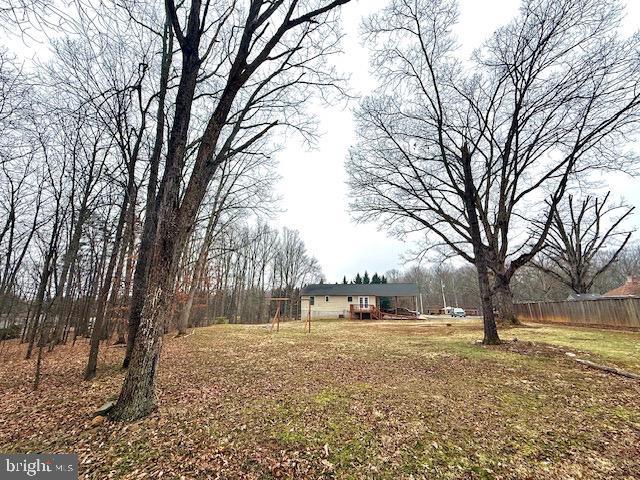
x=351, y=400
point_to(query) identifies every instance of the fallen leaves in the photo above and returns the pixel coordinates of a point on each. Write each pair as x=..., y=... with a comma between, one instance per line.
x=98, y=420
x=359, y=400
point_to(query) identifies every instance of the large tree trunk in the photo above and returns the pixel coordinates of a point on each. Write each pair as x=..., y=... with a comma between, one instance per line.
x=480, y=253
x=137, y=397
x=140, y=277
x=579, y=282
x=489, y=322
x=141, y=274
x=504, y=302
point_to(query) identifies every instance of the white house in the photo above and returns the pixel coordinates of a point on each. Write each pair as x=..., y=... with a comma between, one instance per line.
x=360, y=301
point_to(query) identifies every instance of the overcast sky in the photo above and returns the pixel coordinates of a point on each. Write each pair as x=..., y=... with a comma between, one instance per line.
x=313, y=190
x=313, y=182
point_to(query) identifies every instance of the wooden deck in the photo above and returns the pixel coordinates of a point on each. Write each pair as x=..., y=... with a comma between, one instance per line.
x=371, y=312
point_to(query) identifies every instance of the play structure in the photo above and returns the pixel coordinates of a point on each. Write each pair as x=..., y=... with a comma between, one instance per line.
x=307, y=321
x=275, y=321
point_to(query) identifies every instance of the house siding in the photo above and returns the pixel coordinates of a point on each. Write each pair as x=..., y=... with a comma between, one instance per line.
x=336, y=306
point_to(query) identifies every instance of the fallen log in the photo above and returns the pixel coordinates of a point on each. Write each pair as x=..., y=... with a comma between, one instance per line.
x=605, y=368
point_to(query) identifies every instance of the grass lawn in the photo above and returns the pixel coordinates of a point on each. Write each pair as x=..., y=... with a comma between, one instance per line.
x=351, y=400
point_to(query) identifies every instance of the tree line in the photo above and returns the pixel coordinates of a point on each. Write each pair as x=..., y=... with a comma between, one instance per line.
x=457, y=283
x=365, y=279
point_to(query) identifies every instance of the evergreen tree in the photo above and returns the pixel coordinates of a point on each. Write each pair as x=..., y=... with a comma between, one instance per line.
x=344, y=280
x=376, y=278
x=366, y=279
x=358, y=280
x=383, y=279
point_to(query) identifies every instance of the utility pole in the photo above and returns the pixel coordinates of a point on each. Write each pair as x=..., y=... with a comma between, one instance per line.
x=455, y=293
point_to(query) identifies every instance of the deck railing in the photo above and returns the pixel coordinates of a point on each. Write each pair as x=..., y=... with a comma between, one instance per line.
x=358, y=308
x=356, y=311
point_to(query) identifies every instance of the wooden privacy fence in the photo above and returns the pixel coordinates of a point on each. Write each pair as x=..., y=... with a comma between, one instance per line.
x=603, y=312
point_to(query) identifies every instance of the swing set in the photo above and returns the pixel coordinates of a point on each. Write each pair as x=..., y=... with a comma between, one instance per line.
x=275, y=321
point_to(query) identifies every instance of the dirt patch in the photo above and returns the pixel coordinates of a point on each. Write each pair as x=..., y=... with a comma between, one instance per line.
x=540, y=349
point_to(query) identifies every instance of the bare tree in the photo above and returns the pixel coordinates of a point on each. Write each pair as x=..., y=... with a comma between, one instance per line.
x=242, y=186
x=266, y=61
x=293, y=267
x=584, y=241
x=20, y=184
x=54, y=171
x=107, y=284
x=250, y=264
x=143, y=263
x=465, y=155
x=104, y=68
x=88, y=155
x=16, y=106
x=20, y=216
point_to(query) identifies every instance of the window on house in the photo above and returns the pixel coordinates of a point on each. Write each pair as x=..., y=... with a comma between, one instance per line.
x=349, y=299
x=312, y=300
x=326, y=299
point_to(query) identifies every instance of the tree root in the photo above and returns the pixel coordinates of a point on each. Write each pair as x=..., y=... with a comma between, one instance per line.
x=185, y=335
x=605, y=368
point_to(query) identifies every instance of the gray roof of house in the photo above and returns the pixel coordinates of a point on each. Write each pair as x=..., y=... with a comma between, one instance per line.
x=374, y=289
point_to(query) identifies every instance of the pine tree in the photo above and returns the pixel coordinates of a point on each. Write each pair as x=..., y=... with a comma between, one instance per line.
x=365, y=279
x=376, y=278
x=358, y=280
x=344, y=280
x=383, y=279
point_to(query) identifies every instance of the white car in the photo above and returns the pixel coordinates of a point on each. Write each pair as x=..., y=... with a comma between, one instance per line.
x=458, y=312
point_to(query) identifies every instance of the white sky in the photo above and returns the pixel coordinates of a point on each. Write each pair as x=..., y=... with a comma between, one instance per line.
x=313, y=182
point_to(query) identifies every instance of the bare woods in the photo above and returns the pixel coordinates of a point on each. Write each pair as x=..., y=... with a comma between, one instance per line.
x=137, y=170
